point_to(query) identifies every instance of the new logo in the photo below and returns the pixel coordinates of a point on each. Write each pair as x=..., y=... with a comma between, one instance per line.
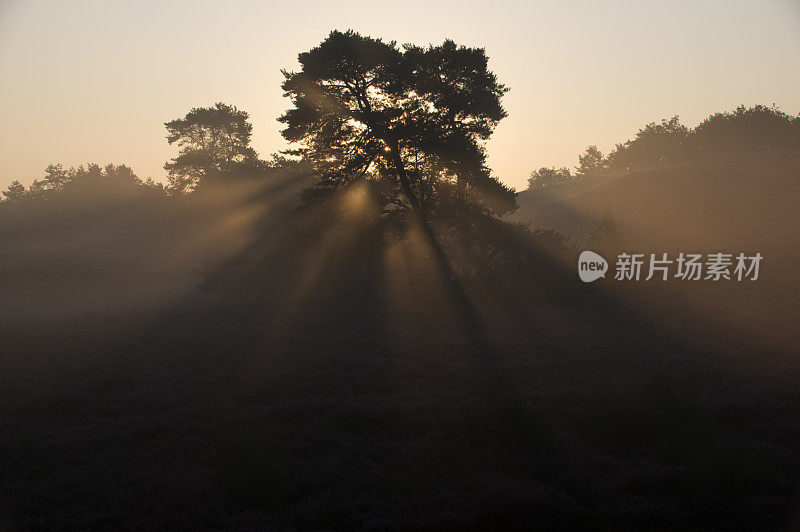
x=591, y=266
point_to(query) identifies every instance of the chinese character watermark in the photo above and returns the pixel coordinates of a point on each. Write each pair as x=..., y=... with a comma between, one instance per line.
x=685, y=267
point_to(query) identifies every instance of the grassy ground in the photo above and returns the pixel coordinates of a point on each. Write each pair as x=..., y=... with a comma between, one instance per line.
x=222, y=412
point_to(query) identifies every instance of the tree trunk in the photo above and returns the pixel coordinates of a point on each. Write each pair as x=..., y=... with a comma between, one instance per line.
x=421, y=216
x=473, y=327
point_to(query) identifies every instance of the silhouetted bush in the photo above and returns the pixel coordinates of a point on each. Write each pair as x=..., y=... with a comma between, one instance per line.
x=606, y=233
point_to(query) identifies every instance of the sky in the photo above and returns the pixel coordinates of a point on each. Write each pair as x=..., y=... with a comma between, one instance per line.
x=94, y=81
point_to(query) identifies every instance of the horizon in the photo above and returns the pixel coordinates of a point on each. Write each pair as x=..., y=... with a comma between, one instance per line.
x=580, y=81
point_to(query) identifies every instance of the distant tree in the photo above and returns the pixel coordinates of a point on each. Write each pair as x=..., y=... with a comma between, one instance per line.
x=54, y=181
x=654, y=145
x=546, y=177
x=213, y=141
x=746, y=130
x=39, y=190
x=15, y=193
x=56, y=177
x=591, y=163
x=95, y=178
x=411, y=120
x=153, y=185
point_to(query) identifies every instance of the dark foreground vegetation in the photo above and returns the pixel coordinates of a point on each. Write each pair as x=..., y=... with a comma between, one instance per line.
x=279, y=345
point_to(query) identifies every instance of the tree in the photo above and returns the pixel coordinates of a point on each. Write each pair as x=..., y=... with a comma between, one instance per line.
x=412, y=121
x=94, y=179
x=591, y=163
x=56, y=177
x=54, y=181
x=213, y=141
x=654, y=145
x=15, y=193
x=545, y=177
x=747, y=130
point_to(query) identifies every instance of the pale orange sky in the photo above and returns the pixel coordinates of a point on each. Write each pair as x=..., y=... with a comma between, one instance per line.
x=93, y=81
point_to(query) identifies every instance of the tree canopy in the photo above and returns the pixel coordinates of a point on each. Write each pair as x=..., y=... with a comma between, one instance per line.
x=411, y=119
x=15, y=193
x=546, y=177
x=213, y=141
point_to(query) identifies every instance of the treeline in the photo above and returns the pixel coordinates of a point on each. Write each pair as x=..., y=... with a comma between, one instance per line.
x=745, y=131
x=214, y=146
x=89, y=180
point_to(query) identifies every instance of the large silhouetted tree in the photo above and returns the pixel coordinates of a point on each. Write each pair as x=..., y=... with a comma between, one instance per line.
x=412, y=120
x=213, y=141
